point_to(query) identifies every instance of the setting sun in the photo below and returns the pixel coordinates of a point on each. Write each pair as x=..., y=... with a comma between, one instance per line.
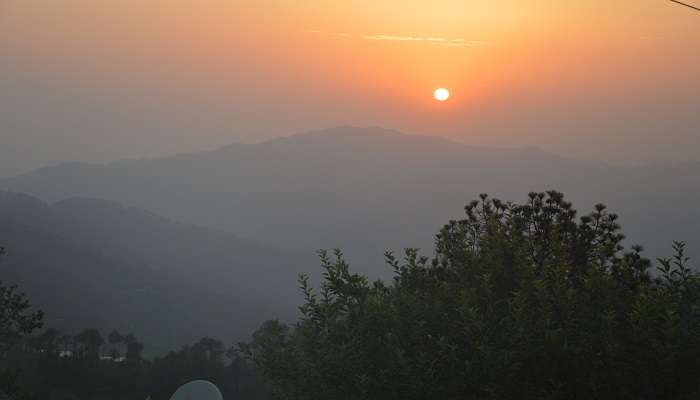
x=441, y=94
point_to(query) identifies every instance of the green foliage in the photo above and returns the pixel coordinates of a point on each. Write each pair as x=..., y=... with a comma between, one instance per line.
x=520, y=301
x=80, y=376
x=17, y=321
x=16, y=318
x=52, y=365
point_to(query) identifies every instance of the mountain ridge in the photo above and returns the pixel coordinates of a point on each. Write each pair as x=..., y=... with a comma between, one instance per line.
x=343, y=132
x=215, y=280
x=364, y=189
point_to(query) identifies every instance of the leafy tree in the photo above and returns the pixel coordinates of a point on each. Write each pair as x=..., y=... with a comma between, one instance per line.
x=520, y=301
x=36, y=373
x=17, y=322
x=210, y=349
x=90, y=341
x=204, y=360
x=51, y=377
x=133, y=348
x=65, y=342
x=48, y=341
x=278, y=359
x=115, y=339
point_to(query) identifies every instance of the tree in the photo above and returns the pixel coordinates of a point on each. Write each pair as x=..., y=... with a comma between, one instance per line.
x=520, y=301
x=90, y=341
x=279, y=359
x=48, y=341
x=211, y=350
x=66, y=342
x=17, y=322
x=115, y=339
x=133, y=348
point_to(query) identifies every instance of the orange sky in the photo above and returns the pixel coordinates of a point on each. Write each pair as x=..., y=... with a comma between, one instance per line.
x=102, y=79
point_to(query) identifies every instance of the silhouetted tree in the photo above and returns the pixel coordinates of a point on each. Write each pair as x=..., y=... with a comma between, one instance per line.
x=36, y=373
x=133, y=348
x=90, y=341
x=65, y=341
x=48, y=341
x=115, y=339
x=17, y=322
x=16, y=318
x=210, y=349
x=520, y=301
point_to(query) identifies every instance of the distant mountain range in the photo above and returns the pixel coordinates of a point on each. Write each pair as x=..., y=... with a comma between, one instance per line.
x=91, y=262
x=369, y=189
x=94, y=263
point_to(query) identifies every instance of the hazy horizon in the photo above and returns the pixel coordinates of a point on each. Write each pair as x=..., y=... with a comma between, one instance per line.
x=268, y=138
x=99, y=81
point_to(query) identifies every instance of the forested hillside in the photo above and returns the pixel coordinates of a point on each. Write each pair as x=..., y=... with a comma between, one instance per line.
x=96, y=263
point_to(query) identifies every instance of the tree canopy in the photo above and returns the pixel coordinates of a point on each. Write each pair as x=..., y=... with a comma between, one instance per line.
x=519, y=301
x=17, y=319
x=17, y=322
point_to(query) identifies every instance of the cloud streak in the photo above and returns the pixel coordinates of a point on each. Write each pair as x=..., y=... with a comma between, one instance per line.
x=434, y=40
x=394, y=38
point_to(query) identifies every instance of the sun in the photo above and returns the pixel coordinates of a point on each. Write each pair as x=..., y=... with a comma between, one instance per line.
x=441, y=94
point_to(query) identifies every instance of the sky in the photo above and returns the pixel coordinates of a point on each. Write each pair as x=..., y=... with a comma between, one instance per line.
x=98, y=80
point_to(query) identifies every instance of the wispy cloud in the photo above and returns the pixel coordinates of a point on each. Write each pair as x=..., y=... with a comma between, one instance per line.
x=465, y=43
x=394, y=38
x=435, y=40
